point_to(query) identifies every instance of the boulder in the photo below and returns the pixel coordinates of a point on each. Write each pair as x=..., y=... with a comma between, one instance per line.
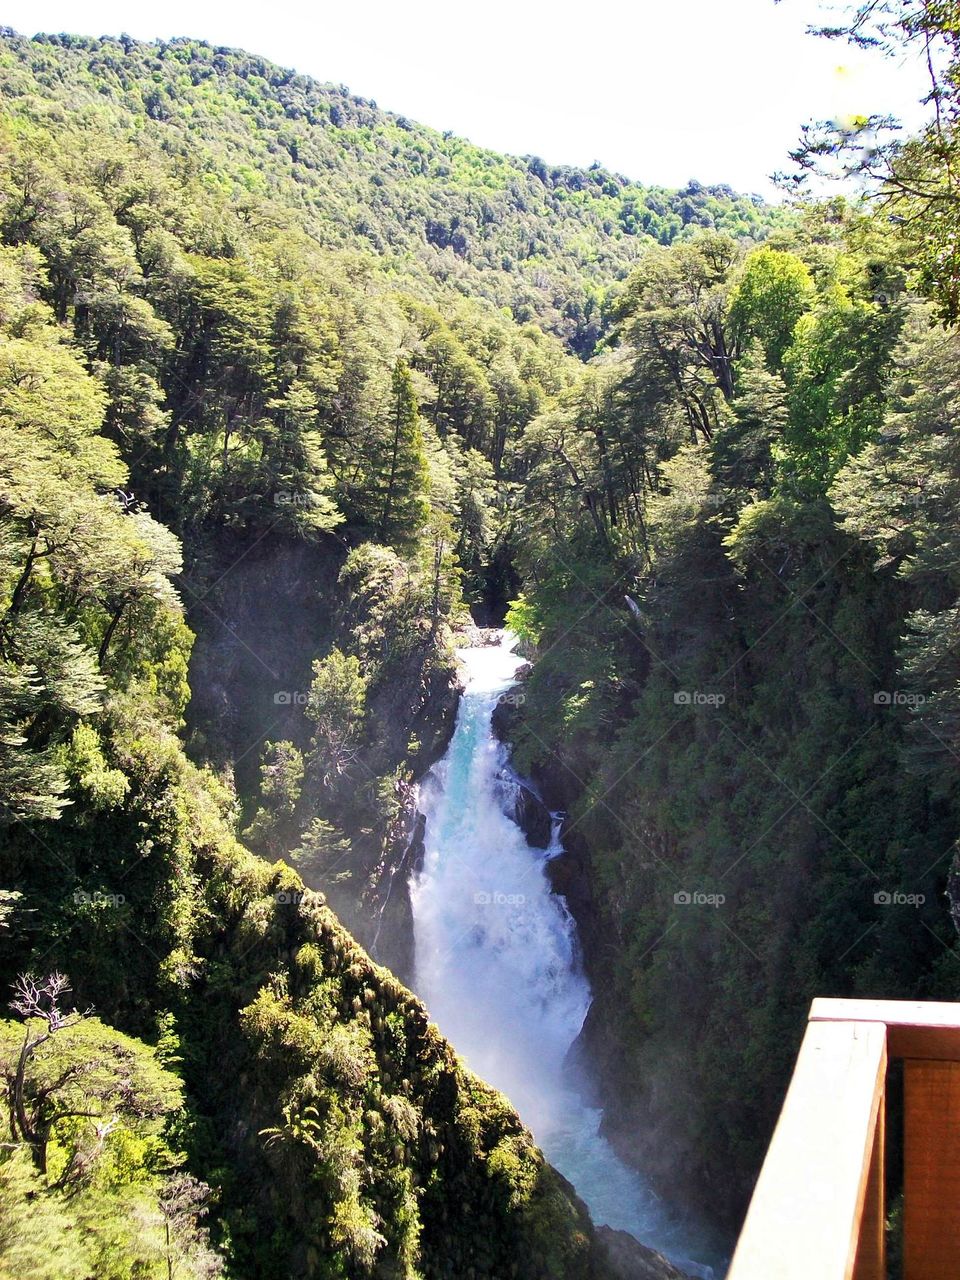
x=533, y=818
x=631, y=1260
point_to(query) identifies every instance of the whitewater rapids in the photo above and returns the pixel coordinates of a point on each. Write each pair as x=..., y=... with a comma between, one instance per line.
x=498, y=964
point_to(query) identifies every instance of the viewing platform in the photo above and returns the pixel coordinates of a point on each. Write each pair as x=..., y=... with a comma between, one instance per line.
x=819, y=1207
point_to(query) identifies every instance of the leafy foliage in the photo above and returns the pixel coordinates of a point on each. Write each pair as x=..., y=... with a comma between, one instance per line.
x=213, y=392
x=740, y=582
x=912, y=177
x=545, y=241
x=300, y=380
x=83, y=1178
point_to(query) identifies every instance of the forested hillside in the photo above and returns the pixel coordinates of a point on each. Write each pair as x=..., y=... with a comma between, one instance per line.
x=549, y=242
x=744, y=614
x=738, y=552
x=251, y=469
x=305, y=1086
x=287, y=386
x=205, y=414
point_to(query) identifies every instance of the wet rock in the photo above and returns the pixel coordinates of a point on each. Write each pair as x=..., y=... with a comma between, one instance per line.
x=478, y=637
x=631, y=1260
x=524, y=807
x=503, y=720
x=570, y=876
x=417, y=848
x=532, y=817
x=388, y=926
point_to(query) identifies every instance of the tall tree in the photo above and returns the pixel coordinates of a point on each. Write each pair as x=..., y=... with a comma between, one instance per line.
x=403, y=470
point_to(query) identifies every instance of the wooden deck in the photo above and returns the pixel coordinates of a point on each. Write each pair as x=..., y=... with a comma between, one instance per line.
x=818, y=1211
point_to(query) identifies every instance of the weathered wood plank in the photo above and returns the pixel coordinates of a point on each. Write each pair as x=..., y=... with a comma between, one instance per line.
x=926, y=1013
x=804, y=1219
x=931, y=1171
x=871, y=1261
x=917, y=1029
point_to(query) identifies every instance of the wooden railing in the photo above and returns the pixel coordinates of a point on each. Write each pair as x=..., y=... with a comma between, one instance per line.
x=818, y=1211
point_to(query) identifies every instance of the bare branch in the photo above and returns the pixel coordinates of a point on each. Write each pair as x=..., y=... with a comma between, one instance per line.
x=41, y=998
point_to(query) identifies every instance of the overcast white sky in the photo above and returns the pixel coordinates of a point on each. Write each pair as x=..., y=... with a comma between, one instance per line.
x=661, y=90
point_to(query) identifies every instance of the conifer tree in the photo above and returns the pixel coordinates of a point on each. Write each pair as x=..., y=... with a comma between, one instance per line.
x=404, y=470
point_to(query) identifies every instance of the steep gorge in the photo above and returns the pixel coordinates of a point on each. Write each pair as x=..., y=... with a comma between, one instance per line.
x=289, y=386
x=217, y=408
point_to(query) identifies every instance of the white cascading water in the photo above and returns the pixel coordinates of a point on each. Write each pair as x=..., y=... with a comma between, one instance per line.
x=497, y=961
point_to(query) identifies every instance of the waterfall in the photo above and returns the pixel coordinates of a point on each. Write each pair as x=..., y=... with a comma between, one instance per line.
x=498, y=964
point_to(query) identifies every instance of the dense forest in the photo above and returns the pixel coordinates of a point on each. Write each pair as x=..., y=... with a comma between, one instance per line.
x=288, y=387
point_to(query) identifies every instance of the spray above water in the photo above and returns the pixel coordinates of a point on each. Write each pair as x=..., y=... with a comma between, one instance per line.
x=497, y=960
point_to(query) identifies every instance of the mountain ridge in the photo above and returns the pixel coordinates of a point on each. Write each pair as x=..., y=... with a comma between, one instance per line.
x=548, y=241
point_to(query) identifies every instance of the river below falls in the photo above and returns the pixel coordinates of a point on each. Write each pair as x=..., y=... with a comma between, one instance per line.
x=498, y=963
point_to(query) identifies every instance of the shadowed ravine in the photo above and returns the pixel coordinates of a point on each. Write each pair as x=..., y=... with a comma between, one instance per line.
x=497, y=962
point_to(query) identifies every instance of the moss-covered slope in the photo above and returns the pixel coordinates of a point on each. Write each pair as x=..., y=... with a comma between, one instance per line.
x=349, y=1125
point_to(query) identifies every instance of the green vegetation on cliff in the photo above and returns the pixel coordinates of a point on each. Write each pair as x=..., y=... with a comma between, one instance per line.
x=302, y=1083
x=201, y=407
x=739, y=557
x=286, y=383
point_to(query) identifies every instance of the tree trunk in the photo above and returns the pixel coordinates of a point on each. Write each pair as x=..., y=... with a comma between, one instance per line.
x=19, y=591
x=108, y=636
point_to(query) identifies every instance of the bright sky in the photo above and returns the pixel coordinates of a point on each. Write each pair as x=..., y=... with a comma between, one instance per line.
x=660, y=90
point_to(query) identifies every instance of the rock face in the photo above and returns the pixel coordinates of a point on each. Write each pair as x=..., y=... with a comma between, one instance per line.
x=251, y=670
x=389, y=910
x=522, y=804
x=533, y=818
x=250, y=667
x=631, y=1260
x=507, y=710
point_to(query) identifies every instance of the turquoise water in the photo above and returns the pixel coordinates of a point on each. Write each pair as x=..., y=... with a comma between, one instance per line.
x=497, y=962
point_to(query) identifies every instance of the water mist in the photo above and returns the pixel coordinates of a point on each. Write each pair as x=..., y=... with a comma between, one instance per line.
x=497, y=960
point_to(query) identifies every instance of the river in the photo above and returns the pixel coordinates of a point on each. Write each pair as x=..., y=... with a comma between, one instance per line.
x=498, y=964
